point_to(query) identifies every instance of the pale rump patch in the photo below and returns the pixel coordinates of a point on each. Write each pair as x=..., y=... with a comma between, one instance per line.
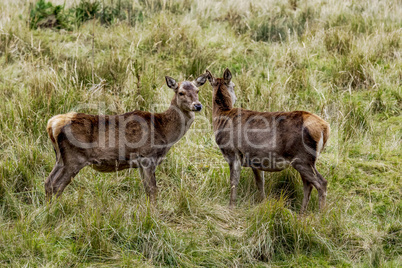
x=320, y=144
x=54, y=126
x=318, y=129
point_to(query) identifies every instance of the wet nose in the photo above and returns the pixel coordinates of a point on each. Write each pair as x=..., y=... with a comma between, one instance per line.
x=198, y=107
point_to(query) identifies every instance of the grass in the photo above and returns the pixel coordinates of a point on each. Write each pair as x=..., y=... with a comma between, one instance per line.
x=339, y=59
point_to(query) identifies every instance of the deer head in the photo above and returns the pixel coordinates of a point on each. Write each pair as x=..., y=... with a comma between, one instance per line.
x=186, y=93
x=226, y=80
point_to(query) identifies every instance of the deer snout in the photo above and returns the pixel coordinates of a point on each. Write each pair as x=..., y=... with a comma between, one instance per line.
x=197, y=106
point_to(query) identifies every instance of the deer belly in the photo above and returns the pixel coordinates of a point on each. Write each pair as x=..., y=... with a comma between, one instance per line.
x=112, y=166
x=269, y=162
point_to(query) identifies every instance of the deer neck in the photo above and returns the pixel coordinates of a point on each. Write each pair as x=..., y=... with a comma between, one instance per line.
x=222, y=100
x=176, y=122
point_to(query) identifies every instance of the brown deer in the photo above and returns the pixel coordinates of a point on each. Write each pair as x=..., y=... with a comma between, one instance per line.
x=110, y=143
x=267, y=141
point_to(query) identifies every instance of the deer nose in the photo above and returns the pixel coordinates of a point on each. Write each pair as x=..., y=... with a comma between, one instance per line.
x=198, y=107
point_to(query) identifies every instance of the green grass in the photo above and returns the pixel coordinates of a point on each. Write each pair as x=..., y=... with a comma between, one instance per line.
x=339, y=59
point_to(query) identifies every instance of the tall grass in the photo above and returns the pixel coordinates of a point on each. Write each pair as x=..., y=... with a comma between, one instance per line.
x=339, y=59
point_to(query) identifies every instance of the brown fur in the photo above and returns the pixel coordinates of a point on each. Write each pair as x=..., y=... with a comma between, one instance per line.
x=110, y=143
x=267, y=141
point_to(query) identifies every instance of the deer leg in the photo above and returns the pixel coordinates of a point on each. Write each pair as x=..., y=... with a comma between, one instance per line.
x=310, y=174
x=234, y=166
x=149, y=181
x=307, y=187
x=321, y=185
x=60, y=180
x=259, y=180
x=322, y=190
x=56, y=185
x=48, y=183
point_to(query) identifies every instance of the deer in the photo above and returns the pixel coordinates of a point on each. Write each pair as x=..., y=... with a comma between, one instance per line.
x=267, y=141
x=109, y=143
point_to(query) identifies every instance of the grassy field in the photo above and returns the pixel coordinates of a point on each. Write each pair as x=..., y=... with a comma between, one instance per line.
x=339, y=59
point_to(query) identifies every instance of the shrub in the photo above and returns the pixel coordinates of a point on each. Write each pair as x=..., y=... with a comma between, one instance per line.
x=45, y=15
x=85, y=11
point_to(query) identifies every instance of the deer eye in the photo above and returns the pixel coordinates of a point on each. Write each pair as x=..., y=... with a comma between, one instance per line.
x=181, y=93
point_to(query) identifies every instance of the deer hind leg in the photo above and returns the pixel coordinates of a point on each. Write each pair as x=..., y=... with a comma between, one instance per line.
x=48, y=183
x=259, y=180
x=307, y=188
x=59, y=178
x=323, y=190
x=312, y=177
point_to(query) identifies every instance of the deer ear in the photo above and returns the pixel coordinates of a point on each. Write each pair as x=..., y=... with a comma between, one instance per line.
x=227, y=76
x=210, y=77
x=201, y=80
x=170, y=82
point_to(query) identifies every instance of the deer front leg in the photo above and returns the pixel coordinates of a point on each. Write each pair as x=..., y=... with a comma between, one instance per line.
x=259, y=180
x=235, y=167
x=149, y=181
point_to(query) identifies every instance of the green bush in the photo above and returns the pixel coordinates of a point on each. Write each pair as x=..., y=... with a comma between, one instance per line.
x=86, y=10
x=45, y=15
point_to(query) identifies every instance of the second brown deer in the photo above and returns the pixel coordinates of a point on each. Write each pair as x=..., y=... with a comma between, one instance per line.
x=110, y=143
x=267, y=141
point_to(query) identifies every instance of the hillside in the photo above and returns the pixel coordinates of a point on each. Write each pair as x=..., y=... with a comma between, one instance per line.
x=339, y=59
